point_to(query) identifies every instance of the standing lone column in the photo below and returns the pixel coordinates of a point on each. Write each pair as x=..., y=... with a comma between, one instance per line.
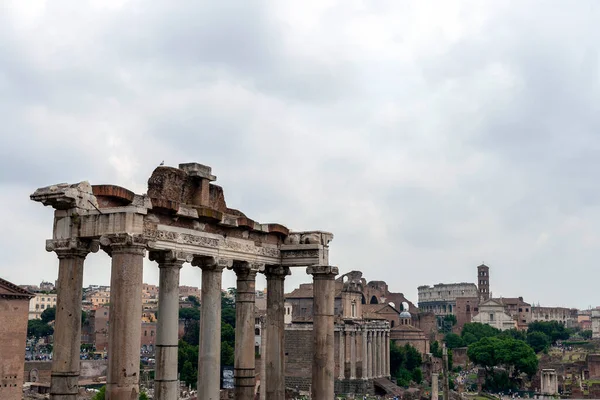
x=209, y=354
x=67, y=334
x=125, y=318
x=364, y=353
x=342, y=355
x=434, y=387
x=166, y=384
x=323, y=307
x=275, y=370
x=244, y=366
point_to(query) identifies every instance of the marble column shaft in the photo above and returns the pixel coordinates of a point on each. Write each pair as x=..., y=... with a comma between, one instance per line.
x=387, y=354
x=378, y=354
x=244, y=367
x=370, y=354
x=166, y=384
x=353, y=355
x=364, y=354
x=434, y=386
x=275, y=357
x=342, y=355
x=67, y=333
x=209, y=354
x=323, y=327
x=125, y=317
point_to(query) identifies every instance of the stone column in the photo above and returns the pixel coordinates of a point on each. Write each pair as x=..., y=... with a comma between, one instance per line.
x=377, y=368
x=125, y=318
x=263, y=364
x=67, y=333
x=209, y=353
x=364, y=353
x=244, y=367
x=342, y=355
x=388, y=373
x=434, y=387
x=166, y=384
x=275, y=358
x=370, y=354
x=353, y=355
x=323, y=306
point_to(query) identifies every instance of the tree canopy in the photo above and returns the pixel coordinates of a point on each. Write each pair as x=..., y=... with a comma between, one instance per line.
x=538, y=341
x=405, y=364
x=553, y=329
x=506, y=352
x=38, y=328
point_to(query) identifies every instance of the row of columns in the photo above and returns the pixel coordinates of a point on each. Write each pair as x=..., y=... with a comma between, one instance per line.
x=375, y=352
x=127, y=252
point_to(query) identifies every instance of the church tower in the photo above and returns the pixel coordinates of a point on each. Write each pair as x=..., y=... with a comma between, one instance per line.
x=483, y=282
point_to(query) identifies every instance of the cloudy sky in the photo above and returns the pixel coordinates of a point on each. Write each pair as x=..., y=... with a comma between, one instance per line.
x=428, y=136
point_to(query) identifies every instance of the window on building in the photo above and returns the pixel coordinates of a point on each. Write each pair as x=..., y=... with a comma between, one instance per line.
x=151, y=333
x=353, y=309
x=527, y=310
x=145, y=333
x=491, y=316
x=468, y=308
x=257, y=331
x=520, y=310
x=42, y=306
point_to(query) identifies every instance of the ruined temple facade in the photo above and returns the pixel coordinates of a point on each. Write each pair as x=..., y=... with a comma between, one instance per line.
x=182, y=219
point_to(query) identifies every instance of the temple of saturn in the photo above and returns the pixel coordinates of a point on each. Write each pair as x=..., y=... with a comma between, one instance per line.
x=182, y=219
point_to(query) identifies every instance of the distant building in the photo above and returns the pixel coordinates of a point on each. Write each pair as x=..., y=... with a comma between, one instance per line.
x=518, y=309
x=185, y=291
x=440, y=299
x=41, y=302
x=492, y=313
x=14, y=308
x=566, y=316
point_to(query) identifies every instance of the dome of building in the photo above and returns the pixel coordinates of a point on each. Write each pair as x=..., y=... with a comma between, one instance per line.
x=405, y=314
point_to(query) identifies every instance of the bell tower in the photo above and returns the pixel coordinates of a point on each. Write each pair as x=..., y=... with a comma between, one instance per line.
x=483, y=282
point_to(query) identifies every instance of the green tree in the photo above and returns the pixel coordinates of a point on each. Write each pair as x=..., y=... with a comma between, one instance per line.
x=514, y=333
x=454, y=341
x=587, y=334
x=38, y=329
x=512, y=354
x=227, y=354
x=187, y=362
x=48, y=315
x=403, y=377
x=538, y=341
x=194, y=300
x=189, y=314
x=227, y=333
x=469, y=338
x=448, y=323
x=553, y=329
x=417, y=376
x=479, y=331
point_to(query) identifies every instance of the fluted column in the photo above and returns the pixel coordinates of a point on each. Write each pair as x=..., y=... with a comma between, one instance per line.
x=209, y=352
x=166, y=384
x=323, y=306
x=244, y=367
x=125, y=317
x=353, y=355
x=67, y=333
x=275, y=357
x=263, y=351
x=364, y=353
x=370, y=354
x=342, y=355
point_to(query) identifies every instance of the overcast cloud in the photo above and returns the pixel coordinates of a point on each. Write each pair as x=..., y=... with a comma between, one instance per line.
x=428, y=136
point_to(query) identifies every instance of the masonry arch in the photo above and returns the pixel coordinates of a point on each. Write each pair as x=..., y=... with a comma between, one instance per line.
x=374, y=300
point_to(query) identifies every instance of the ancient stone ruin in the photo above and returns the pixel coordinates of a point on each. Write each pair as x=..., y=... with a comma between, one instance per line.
x=182, y=219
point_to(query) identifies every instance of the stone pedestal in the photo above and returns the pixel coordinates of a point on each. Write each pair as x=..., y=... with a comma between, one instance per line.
x=166, y=384
x=124, y=325
x=245, y=372
x=67, y=332
x=209, y=354
x=275, y=357
x=323, y=306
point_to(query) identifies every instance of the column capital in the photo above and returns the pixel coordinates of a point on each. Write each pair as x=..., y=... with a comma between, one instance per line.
x=208, y=263
x=322, y=271
x=72, y=247
x=276, y=272
x=124, y=243
x=169, y=258
x=244, y=268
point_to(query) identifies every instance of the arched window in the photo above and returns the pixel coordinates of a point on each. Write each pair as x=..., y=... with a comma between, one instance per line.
x=393, y=324
x=374, y=300
x=257, y=331
x=353, y=309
